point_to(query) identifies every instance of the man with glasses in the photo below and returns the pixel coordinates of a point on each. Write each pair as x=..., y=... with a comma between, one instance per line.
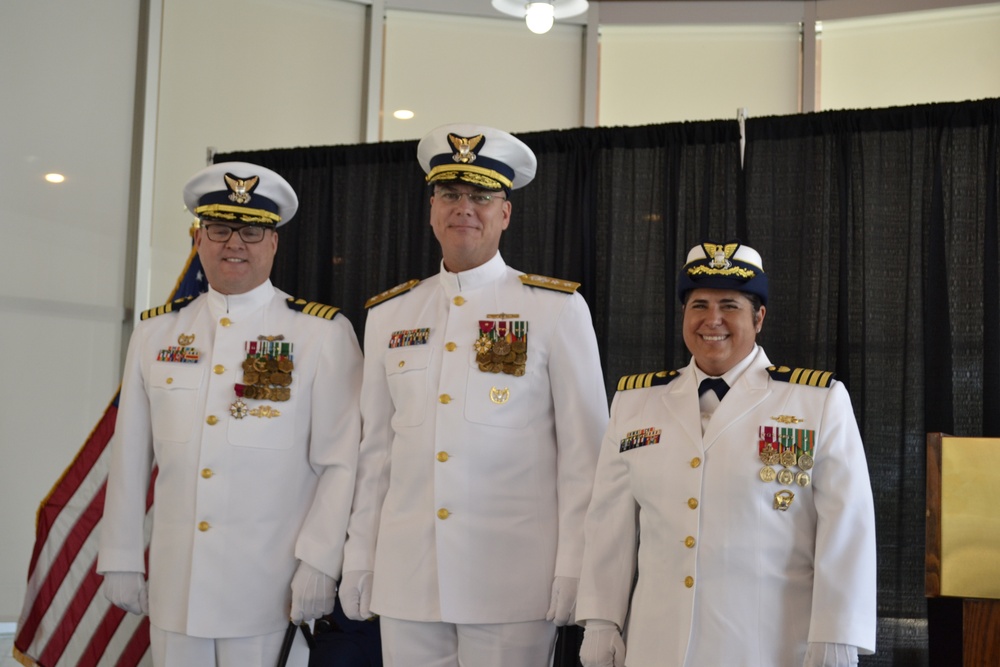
x=245, y=401
x=483, y=403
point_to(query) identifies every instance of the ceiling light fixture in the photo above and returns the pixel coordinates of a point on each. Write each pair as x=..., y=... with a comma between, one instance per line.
x=540, y=15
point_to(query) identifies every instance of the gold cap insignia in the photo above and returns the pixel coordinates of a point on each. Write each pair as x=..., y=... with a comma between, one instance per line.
x=465, y=147
x=240, y=188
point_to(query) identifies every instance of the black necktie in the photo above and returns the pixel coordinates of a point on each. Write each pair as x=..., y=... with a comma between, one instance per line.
x=718, y=385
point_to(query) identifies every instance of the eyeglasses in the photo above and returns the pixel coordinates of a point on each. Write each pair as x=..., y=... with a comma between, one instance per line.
x=221, y=233
x=477, y=198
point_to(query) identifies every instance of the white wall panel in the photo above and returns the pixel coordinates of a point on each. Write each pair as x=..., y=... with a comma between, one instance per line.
x=458, y=69
x=946, y=55
x=662, y=74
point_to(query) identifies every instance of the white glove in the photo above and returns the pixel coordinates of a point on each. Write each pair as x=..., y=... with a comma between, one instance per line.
x=313, y=594
x=356, y=594
x=820, y=654
x=602, y=645
x=562, y=609
x=127, y=590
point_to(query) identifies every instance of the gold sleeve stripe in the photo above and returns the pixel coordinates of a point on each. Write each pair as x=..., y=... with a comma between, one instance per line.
x=320, y=310
x=169, y=307
x=811, y=377
x=804, y=376
x=313, y=308
x=645, y=380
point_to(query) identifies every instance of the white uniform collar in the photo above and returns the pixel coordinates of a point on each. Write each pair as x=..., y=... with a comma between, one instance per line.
x=733, y=374
x=483, y=274
x=239, y=304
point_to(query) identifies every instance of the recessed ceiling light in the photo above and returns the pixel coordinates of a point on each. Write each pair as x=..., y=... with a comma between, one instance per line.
x=55, y=178
x=403, y=114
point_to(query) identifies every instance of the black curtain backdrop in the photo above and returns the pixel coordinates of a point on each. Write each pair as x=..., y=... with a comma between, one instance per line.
x=878, y=228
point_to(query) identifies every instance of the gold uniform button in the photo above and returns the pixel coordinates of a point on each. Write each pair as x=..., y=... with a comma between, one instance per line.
x=444, y=398
x=170, y=380
x=443, y=514
x=402, y=363
x=225, y=321
x=689, y=542
x=693, y=503
x=695, y=462
x=689, y=582
x=203, y=526
x=212, y=420
x=458, y=301
x=450, y=346
x=442, y=456
x=219, y=369
x=206, y=472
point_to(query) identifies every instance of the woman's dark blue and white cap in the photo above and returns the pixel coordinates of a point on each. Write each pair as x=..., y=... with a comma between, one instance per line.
x=241, y=192
x=729, y=265
x=481, y=156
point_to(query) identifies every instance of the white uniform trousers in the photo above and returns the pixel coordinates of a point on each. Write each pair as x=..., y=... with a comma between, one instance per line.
x=171, y=649
x=423, y=644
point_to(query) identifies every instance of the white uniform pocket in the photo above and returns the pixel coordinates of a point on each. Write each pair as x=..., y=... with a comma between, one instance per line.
x=499, y=399
x=268, y=425
x=173, y=398
x=406, y=374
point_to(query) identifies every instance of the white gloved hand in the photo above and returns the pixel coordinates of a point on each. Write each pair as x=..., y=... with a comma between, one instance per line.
x=821, y=654
x=562, y=608
x=127, y=590
x=356, y=594
x=313, y=594
x=602, y=645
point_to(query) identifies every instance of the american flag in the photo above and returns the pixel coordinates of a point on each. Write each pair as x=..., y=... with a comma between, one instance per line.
x=65, y=620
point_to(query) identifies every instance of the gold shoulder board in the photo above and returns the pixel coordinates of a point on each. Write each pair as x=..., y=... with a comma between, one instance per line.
x=644, y=380
x=550, y=283
x=388, y=294
x=312, y=308
x=170, y=307
x=806, y=376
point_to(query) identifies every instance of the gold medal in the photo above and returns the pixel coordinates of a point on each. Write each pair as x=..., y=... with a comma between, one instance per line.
x=501, y=348
x=788, y=458
x=806, y=462
x=802, y=479
x=767, y=474
x=768, y=455
x=238, y=409
x=786, y=477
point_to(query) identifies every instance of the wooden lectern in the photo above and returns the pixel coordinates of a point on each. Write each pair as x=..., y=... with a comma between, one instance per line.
x=963, y=537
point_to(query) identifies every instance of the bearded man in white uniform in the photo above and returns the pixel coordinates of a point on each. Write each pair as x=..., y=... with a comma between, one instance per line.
x=738, y=491
x=483, y=403
x=246, y=402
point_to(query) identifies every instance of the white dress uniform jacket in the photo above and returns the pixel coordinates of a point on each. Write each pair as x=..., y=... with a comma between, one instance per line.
x=473, y=486
x=237, y=501
x=724, y=578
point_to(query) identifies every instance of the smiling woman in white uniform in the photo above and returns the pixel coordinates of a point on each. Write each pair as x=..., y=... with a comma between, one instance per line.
x=738, y=492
